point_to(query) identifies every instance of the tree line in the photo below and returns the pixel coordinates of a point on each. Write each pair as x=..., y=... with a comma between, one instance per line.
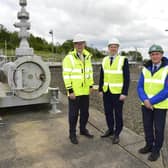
x=11, y=40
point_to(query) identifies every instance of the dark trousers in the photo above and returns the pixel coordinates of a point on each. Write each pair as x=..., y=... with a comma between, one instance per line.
x=154, y=124
x=113, y=112
x=81, y=103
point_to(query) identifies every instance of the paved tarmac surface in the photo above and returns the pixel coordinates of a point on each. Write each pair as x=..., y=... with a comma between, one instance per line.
x=35, y=138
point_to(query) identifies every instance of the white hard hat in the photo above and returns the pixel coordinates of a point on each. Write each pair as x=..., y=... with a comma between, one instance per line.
x=79, y=38
x=114, y=41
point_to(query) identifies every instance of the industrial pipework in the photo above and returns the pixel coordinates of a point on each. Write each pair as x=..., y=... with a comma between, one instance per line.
x=28, y=77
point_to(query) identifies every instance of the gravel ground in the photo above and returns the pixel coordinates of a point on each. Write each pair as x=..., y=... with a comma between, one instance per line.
x=132, y=107
x=132, y=111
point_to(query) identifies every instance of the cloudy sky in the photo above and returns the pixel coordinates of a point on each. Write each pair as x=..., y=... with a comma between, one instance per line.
x=137, y=23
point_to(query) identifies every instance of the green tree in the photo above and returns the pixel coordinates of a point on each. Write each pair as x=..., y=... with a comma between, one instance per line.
x=67, y=46
x=39, y=44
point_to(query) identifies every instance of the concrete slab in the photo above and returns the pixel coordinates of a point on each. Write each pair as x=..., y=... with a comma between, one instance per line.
x=129, y=140
x=133, y=149
x=98, y=119
x=38, y=139
x=45, y=144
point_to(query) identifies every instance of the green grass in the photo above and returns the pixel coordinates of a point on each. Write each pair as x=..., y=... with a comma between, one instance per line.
x=47, y=56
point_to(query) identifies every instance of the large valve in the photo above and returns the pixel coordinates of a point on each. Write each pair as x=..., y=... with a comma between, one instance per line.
x=26, y=80
x=29, y=77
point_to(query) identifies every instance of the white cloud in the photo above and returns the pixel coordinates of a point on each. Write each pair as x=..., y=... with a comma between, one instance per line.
x=136, y=23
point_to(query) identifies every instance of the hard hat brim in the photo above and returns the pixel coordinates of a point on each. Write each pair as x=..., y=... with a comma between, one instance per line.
x=79, y=41
x=113, y=44
x=155, y=51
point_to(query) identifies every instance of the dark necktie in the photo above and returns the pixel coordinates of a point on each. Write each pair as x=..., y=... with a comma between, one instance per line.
x=111, y=60
x=154, y=69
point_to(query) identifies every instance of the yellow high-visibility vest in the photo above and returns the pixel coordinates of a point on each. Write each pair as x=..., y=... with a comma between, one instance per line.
x=154, y=84
x=78, y=74
x=113, y=74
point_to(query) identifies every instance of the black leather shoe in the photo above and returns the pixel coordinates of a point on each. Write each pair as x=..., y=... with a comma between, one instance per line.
x=115, y=139
x=86, y=133
x=145, y=149
x=154, y=156
x=73, y=139
x=107, y=134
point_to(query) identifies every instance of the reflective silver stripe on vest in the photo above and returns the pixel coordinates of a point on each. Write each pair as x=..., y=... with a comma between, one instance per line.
x=72, y=77
x=162, y=80
x=88, y=69
x=153, y=81
x=113, y=71
x=67, y=69
x=120, y=63
x=66, y=77
x=113, y=84
x=165, y=73
x=150, y=96
x=72, y=60
x=103, y=62
x=119, y=67
x=71, y=70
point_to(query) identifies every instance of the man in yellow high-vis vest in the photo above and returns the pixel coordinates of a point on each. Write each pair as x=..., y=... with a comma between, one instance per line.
x=113, y=85
x=78, y=79
x=153, y=92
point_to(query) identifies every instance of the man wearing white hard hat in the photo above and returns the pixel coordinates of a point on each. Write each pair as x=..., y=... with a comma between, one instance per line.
x=78, y=80
x=113, y=85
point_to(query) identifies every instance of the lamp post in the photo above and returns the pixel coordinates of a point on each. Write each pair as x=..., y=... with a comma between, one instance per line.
x=52, y=47
x=57, y=45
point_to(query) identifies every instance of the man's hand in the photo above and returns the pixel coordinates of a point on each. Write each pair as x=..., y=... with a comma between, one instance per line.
x=101, y=94
x=122, y=97
x=91, y=90
x=72, y=96
x=148, y=105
